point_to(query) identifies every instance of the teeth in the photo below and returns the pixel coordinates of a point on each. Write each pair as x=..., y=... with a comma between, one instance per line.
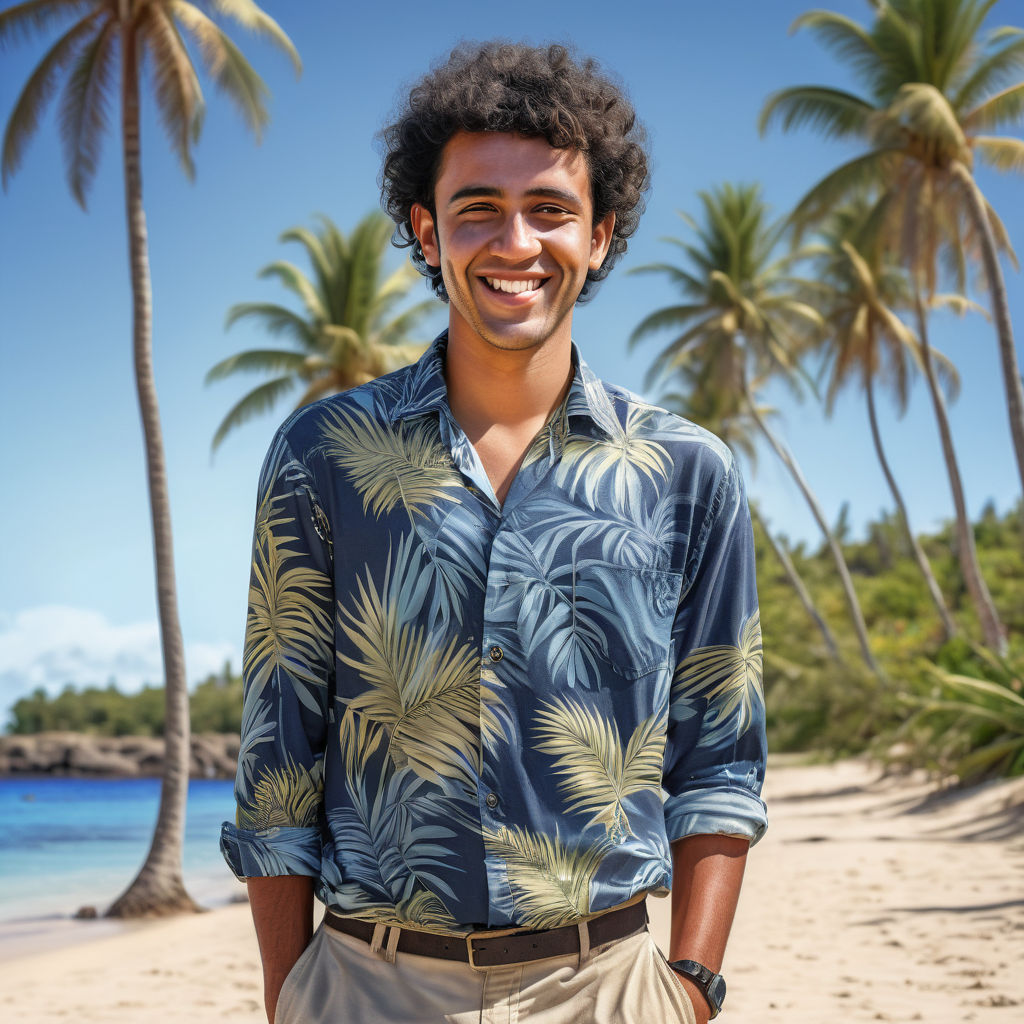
x=512, y=287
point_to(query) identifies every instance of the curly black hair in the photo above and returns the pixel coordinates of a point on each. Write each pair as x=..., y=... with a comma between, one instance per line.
x=533, y=91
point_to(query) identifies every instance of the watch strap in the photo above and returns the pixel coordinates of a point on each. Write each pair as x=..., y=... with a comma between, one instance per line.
x=712, y=985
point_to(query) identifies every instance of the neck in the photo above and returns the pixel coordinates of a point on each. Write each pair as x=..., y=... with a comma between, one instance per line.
x=515, y=390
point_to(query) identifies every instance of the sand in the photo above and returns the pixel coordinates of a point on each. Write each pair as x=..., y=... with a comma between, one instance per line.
x=870, y=899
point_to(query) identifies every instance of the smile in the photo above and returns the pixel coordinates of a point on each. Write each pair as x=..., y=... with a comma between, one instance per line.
x=500, y=284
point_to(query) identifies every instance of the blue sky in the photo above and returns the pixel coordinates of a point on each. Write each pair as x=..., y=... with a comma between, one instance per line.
x=76, y=582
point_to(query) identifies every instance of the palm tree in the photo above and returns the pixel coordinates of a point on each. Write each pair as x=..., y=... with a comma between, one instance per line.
x=743, y=316
x=867, y=342
x=934, y=82
x=348, y=332
x=723, y=414
x=141, y=32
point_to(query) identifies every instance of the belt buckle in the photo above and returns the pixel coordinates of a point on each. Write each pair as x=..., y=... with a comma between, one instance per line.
x=469, y=952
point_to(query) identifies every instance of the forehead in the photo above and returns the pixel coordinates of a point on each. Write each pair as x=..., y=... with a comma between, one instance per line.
x=510, y=163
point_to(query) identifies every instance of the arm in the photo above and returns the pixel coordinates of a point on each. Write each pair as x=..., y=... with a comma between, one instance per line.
x=275, y=844
x=707, y=871
x=715, y=752
x=282, y=911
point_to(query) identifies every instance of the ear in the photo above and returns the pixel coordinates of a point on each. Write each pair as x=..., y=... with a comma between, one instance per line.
x=600, y=239
x=426, y=233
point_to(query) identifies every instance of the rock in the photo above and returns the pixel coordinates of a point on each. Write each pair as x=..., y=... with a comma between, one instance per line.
x=214, y=755
x=85, y=914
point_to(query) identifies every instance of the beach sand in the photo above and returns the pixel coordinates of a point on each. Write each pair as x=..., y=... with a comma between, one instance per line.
x=870, y=899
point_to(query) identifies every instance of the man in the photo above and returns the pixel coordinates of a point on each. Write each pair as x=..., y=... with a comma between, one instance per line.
x=502, y=656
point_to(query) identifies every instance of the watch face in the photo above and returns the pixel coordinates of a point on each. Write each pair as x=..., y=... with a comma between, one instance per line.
x=716, y=990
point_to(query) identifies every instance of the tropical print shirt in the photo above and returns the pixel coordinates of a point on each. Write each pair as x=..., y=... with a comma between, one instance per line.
x=460, y=714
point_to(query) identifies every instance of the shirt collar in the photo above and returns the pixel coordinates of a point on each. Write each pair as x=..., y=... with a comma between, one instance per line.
x=425, y=390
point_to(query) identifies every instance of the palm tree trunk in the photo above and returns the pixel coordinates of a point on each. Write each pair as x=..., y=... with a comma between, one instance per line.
x=991, y=628
x=159, y=887
x=798, y=585
x=856, y=614
x=915, y=545
x=1000, y=310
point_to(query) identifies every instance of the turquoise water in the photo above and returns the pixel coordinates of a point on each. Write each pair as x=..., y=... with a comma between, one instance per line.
x=65, y=843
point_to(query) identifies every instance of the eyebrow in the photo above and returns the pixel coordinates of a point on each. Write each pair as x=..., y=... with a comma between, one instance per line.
x=489, y=191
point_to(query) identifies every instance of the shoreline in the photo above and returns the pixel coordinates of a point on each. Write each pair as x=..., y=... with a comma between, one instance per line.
x=870, y=898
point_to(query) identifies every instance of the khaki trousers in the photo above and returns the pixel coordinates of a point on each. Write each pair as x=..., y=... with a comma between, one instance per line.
x=337, y=980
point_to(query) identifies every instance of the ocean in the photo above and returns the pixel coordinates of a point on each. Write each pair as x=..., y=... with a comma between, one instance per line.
x=67, y=843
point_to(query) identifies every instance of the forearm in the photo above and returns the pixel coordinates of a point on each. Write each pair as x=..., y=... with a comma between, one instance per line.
x=707, y=871
x=282, y=911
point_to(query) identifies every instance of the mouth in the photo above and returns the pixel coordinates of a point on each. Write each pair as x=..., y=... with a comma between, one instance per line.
x=521, y=289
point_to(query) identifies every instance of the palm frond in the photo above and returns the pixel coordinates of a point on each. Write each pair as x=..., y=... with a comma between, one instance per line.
x=250, y=16
x=850, y=41
x=260, y=400
x=39, y=88
x=179, y=97
x=669, y=316
x=854, y=176
x=296, y=281
x=276, y=320
x=83, y=110
x=1004, y=154
x=261, y=360
x=832, y=111
x=226, y=65
x=990, y=72
x=34, y=17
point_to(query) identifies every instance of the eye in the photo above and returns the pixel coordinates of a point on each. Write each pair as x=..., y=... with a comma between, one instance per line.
x=478, y=208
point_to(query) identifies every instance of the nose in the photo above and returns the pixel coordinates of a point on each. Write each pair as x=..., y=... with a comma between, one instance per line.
x=515, y=240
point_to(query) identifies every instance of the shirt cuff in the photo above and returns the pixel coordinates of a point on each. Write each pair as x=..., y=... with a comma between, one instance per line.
x=716, y=810
x=271, y=851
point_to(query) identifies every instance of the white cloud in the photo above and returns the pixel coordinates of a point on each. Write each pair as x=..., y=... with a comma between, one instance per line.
x=53, y=645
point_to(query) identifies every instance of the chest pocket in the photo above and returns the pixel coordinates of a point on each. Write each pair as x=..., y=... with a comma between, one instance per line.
x=631, y=610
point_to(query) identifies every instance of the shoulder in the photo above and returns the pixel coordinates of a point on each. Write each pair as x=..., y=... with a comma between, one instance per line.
x=305, y=430
x=686, y=441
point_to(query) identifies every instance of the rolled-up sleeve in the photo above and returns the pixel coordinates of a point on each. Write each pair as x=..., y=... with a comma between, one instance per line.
x=716, y=749
x=287, y=673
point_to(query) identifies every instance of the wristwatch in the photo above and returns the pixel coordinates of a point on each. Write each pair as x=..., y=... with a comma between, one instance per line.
x=711, y=984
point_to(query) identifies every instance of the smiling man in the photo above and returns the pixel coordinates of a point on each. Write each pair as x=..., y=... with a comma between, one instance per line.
x=503, y=656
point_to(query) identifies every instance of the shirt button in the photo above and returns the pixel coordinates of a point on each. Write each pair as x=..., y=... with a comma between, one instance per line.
x=497, y=654
x=492, y=800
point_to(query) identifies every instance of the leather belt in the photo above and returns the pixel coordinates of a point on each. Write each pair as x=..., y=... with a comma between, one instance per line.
x=488, y=949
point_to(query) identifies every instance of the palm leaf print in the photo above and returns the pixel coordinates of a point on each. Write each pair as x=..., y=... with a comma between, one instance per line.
x=729, y=678
x=598, y=774
x=423, y=687
x=550, y=881
x=390, y=463
x=289, y=614
x=623, y=460
x=287, y=796
x=257, y=728
x=389, y=831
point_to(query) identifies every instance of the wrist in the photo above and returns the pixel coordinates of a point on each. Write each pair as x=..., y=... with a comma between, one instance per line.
x=709, y=987
x=701, y=1010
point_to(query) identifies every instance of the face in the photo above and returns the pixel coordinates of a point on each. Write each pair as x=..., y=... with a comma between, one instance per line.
x=513, y=235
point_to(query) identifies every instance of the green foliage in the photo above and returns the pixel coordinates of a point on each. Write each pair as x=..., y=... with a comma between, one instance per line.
x=948, y=705
x=971, y=725
x=216, y=706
